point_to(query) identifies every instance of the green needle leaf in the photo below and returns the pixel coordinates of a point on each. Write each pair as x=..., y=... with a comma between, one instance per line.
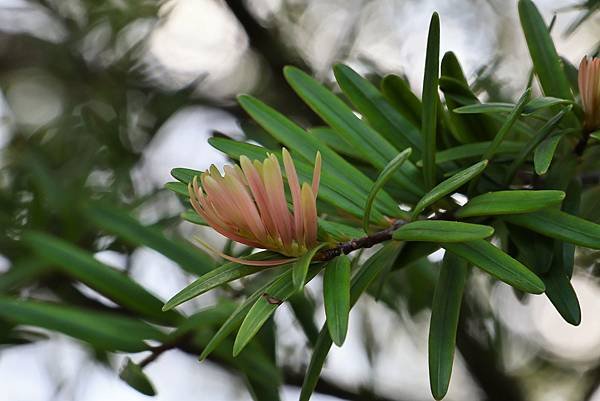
x=121, y=223
x=237, y=316
x=368, y=272
x=560, y=291
x=184, y=175
x=560, y=225
x=510, y=202
x=472, y=150
x=536, y=104
x=264, y=306
x=178, y=187
x=431, y=100
x=546, y=63
x=445, y=311
x=507, y=126
x=383, y=178
x=497, y=263
x=336, y=294
x=300, y=267
x=544, y=153
x=219, y=276
x=540, y=135
x=449, y=186
x=397, y=91
x=378, y=112
x=104, y=330
x=133, y=375
x=341, y=118
x=111, y=283
x=442, y=231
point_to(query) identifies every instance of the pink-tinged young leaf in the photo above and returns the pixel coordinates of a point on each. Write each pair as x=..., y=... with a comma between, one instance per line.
x=309, y=207
x=316, y=174
x=292, y=178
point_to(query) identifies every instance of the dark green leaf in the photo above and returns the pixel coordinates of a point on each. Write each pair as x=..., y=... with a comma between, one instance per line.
x=133, y=375
x=178, y=187
x=544, y=153
x=379, y=113
x=442, y=231
x=531, y=107
x=102, y=330
x=382, y=179
x=510, y=202
x=546, y=62
x=561, y=293
x=464, y=128
x=445, y=310
x=304, y=311
x=102, y=278
x=191, y=216
x=341, y=118
x=485, y=108
x=125, y=226
x=363, y=278
x=185, y=175
x=273, y=296
x=398, y=93
x=543, y=102
x=540, y=135
x=431, y=101
x=219, y=276
x=560, y=225
x=237, y=316
x=473, y=150
x=449, y=186
x=23, y=272
x=497, y=263
x=507, y=126
x=336, y=142
x=336, y=296
x=338, y=232
x=300, y=267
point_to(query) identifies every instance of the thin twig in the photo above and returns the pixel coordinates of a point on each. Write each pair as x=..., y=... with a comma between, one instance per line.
x=359, y=243
x=167, y=346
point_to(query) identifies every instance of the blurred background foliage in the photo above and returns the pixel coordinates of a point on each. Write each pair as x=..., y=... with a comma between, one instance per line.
x=100, y=99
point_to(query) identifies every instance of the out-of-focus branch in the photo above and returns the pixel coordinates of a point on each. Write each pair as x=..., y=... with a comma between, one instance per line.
x=276, y=56
x=328, y=388
x=483, y=366
x=290, y=378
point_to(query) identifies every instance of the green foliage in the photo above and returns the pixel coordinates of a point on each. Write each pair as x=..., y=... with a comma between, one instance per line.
x=133, y=375
x=445, y=310
x=431, y=101
x=336, y=295
x=531, y=207
x=510, y=202
x=442, y=231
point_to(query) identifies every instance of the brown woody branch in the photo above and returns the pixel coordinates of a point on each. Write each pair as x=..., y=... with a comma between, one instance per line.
x=359, y=243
